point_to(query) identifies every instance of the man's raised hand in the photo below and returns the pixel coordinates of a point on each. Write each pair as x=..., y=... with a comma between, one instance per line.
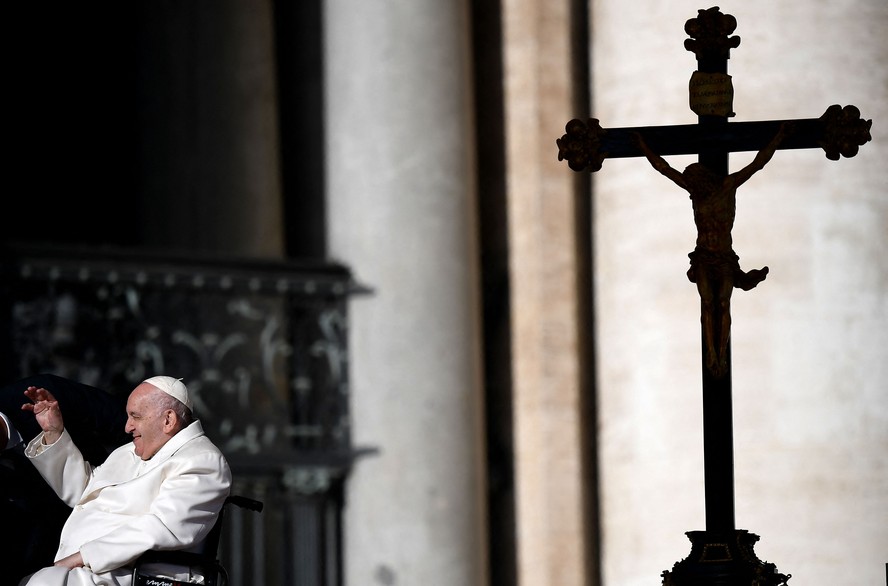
x=46, y=411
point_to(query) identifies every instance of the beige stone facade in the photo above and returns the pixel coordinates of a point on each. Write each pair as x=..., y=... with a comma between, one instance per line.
x=808, y=344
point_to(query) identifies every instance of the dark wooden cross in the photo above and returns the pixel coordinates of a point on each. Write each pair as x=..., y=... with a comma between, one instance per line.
x=714, y=266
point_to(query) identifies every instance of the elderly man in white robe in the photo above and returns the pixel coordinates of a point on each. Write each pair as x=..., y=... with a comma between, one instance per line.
x=163, y=490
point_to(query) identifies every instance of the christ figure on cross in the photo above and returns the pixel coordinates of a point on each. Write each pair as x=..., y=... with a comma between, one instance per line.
x=715, y=267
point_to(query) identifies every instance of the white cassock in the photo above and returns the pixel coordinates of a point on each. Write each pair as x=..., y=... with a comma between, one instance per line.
x=128, y=505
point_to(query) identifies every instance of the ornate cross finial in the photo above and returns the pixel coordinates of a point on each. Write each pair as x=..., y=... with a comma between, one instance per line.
x=709, y=34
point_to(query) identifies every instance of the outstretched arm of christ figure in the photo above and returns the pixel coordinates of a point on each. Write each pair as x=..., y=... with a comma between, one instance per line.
x=761, y=159
x=659, y=163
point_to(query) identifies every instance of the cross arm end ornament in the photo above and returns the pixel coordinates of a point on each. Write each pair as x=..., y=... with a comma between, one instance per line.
x=844, y=131
x=580, y=146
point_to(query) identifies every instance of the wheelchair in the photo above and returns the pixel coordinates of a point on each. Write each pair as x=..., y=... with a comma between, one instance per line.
x=203, y=568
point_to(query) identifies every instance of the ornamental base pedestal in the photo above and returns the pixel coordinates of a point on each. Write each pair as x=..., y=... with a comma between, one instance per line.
x=723, y=559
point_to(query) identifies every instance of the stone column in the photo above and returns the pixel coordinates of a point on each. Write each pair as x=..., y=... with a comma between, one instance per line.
x=209, y=107
x=547, y=257
x=810, y=344
x=401, y=194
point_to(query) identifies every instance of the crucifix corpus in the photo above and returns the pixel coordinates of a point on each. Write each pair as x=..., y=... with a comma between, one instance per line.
x=721, y=555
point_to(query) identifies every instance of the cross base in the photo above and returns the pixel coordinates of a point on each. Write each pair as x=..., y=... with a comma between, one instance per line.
x=723, y=559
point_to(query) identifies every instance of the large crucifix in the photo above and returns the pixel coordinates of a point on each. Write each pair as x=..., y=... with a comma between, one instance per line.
x=722, y=554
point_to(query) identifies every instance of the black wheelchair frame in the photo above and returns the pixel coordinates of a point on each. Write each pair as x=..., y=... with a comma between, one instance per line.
x=206, y=564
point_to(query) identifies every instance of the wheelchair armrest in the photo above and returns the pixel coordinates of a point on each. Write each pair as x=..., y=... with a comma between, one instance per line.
x=245, y=502
x=195, y=563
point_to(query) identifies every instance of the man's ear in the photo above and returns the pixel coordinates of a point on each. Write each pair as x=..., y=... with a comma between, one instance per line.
x=170, y=421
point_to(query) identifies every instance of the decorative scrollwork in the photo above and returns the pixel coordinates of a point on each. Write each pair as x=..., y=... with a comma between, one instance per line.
x=843, y=131
x=265, y=358
x=581, y=146
x=308, y=480
x=709, y=34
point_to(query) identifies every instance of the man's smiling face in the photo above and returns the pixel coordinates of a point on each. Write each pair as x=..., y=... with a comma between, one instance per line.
x=148, y=423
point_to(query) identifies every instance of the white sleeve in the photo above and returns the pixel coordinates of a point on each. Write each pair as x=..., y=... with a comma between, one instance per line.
x=14, y=437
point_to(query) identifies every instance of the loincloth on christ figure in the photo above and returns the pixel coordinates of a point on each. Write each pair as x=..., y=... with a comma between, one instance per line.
x=725, y=265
